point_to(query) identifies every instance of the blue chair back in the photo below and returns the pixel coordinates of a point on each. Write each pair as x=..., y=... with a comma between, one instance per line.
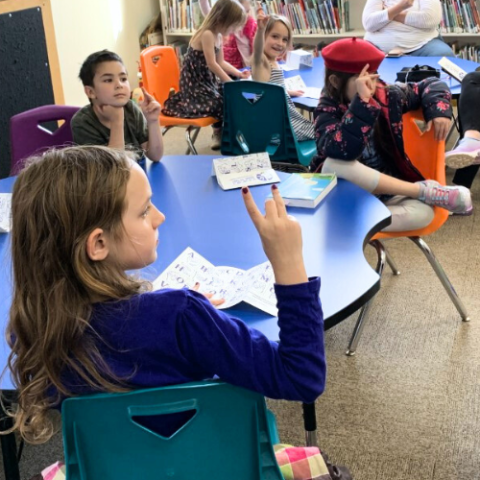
x=256, y=119
x=228, y=437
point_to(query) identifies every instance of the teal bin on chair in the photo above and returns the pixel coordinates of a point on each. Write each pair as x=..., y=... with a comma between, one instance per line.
x=229, y=437
x=256, y=119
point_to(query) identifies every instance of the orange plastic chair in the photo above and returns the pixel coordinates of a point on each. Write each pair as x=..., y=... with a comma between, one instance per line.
x=161, y=74
x=428, y=155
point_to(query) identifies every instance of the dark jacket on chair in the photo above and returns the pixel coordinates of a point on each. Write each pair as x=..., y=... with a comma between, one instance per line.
x=342, y=132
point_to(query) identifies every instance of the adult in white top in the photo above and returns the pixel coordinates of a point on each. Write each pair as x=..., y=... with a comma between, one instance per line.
x=407, y=26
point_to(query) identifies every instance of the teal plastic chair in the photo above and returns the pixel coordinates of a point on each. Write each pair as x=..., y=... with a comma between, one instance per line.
x=256, y=119
x=229, y=437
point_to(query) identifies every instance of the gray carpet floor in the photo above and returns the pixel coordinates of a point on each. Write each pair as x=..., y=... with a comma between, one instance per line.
x=407, y=405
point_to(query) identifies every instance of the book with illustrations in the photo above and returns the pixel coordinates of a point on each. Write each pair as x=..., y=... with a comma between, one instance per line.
x=244, y=171
x=253, y=286
x=5, y=212
x=306, y=189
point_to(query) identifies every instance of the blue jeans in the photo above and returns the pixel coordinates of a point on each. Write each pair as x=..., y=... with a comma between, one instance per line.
x=434, y=48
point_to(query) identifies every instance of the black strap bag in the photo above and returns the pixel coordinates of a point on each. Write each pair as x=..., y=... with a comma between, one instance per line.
x=417, y=73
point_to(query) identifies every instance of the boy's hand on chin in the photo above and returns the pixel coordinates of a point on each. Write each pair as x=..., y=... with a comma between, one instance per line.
x=109, y=113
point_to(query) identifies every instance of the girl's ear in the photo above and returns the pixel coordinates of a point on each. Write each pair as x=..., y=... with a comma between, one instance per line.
x=97, y=245
x=333, y=79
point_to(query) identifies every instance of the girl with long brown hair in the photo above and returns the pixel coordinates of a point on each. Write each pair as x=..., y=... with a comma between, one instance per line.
x=79, y=324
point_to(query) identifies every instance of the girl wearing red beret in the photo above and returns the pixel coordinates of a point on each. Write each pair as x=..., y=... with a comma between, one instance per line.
x=358, y=128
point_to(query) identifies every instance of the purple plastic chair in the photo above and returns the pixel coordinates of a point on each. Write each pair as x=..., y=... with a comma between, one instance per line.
x=28, y=136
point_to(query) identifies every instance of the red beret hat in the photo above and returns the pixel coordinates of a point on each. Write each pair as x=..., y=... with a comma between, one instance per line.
x=350, y=55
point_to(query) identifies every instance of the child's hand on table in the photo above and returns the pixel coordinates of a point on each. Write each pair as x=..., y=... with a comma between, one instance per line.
x=214, y=301
x=150, y=107
x=281, y=237
x=296, y=93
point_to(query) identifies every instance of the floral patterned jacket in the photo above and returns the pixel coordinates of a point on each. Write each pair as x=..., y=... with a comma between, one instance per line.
x=342, y=131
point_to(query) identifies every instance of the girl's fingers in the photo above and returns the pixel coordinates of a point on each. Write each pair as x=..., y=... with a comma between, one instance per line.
x=280, y=204
x=251, y=207
x=364, y=70
x=270, y=209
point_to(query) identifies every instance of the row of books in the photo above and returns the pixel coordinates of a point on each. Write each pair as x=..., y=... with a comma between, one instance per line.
x=467, y=52
x=182, y=15
x=312, y=16
x=180, y=50
x=306, y=16
x=460, y=16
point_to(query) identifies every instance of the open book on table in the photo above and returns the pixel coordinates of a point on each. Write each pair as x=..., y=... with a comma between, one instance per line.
x=253, y=286
x=244, y=171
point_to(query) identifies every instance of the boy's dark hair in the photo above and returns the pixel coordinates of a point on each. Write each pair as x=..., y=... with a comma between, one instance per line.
x=89, y=66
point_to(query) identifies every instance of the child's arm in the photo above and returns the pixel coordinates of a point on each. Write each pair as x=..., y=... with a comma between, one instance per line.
x=229, y=68
x=114, y=117
x=433, y=96
x=208, y=46
x=260, y=69
x=215, y=343
x=151, y=110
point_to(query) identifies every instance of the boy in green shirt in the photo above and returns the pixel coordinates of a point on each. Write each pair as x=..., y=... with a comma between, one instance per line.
x=111, y=118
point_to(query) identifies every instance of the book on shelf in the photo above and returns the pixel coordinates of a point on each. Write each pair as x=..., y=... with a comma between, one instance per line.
x=459, y=16
x=234, y=285
x=244, y=171
x=312, y=16
x=306, y=190
x=180, y=49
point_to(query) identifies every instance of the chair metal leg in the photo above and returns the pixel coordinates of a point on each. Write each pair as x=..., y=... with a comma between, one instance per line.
x=8, y=443
x=191, y=149
x=357, y=331
x=438, y=269
x=310, y=423
x=391, y=262
x=165, y=130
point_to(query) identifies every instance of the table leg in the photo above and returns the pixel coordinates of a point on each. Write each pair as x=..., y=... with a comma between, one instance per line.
x=8, y=442
x=310, y=422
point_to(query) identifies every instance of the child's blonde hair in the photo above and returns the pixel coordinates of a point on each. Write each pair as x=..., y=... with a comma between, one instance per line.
x=58, y=200
x=224, y=14
x=273, y=19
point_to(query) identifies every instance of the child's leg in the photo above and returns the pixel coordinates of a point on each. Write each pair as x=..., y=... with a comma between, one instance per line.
x=467, y=151
x=454, y=199
x=408, y=214
x=216, y=136
x=369, y=179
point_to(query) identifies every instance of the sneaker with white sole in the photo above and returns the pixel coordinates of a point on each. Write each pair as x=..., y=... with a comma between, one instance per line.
x=455, y=199
x=216, y=139
x=467, y=153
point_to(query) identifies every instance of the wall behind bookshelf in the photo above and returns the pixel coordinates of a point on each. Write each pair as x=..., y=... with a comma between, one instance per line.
x=179, y=14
